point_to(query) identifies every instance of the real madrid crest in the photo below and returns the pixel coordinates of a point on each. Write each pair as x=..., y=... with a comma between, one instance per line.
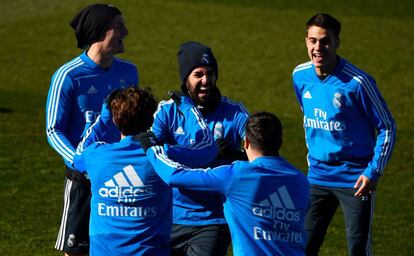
x=72, y=241
x=338, y=100
x=123, y=83
x=205, y=58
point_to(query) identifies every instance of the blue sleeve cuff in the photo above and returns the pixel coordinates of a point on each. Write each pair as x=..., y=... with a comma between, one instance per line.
x=371, y=174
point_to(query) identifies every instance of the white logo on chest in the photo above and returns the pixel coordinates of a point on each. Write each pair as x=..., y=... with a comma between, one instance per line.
x=179, y=131
x=92, y=90
x=338, y=100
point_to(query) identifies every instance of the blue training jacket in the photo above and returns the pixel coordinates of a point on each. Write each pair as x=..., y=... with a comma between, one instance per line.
x=112, y=168
x=131, y=209
x=265, y=200
x=227, y=121
x=130, y=206
x=77, y=91
x=348, y=127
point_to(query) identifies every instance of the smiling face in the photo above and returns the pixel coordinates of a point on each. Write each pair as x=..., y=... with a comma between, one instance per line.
x=200, y=83
x=113, y=42
x=322, y=45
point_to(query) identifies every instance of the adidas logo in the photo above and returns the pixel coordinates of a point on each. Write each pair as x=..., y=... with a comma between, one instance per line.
x=179, y=131
x=121, y=181
x=92, y=90
x=278, y=206
x=124, y=184
x=307, y=95
x=280, y=199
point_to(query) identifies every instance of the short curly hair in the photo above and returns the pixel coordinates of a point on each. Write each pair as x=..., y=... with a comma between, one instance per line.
x=132, y=109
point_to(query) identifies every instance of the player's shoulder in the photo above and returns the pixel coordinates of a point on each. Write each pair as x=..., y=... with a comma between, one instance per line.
x=93, y=150
x=288, y=170
x=164, y=106
x=122, y=63
x=70, y=68
x=99, y=145
x=232, y=105
x=358, y=75
x=241, y=164
x=239, y=167
x=303, y=67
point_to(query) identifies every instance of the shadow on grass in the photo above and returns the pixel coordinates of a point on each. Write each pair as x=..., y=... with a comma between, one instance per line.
x=6, y=110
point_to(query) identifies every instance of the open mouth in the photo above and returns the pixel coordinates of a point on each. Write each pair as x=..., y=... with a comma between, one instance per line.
x=203, y=91
x=318, y=57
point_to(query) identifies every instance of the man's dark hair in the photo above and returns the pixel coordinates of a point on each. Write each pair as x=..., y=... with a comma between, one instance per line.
x=132, y=110
x=264, y=131
x=325, y=21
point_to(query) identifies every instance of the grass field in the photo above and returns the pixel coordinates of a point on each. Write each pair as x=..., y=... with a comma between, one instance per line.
x=257, y=44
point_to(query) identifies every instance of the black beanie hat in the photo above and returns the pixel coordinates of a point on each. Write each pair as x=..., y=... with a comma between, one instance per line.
x=192, y=55
x=91, y=23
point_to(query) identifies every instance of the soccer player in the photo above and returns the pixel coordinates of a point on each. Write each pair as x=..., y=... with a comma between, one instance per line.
x=265, y=199
x=77, y=91
x=350, y=135
x=131, y=206
x=199, y=227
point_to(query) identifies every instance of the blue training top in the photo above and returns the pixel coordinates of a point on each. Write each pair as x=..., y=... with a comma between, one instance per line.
x=265, y=200
x=348, y=127
x=77, y=91
x=131, y=209
x=130, y=206
x=227, y=121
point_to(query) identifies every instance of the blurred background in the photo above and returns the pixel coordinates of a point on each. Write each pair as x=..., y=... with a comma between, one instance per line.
x=257, y=45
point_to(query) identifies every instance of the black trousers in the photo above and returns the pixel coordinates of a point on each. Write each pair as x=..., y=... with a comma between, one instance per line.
x=358, y=215
x=208, y=240
x=73, y=236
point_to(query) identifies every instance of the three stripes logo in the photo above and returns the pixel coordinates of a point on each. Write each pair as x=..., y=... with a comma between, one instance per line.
x=280, y=199
x=126, y=183
x=121, y=180
x=278, y=206
x=179, y=131
x=92, y=90
x=307, y=95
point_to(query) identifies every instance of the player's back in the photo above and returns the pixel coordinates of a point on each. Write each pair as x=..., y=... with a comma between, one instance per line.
x=265, y=207
x=131, y=205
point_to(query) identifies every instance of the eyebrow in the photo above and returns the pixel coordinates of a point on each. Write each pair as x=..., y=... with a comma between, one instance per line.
x=319, y=39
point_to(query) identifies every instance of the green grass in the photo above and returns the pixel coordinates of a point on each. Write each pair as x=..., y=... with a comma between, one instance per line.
x=257, y=44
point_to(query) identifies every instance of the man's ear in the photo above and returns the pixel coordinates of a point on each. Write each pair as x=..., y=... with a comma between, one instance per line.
x=113, y=120
x=246, y=143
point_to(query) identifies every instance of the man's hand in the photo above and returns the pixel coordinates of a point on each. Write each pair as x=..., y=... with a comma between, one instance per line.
x=147, y=140
x=364, y=185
